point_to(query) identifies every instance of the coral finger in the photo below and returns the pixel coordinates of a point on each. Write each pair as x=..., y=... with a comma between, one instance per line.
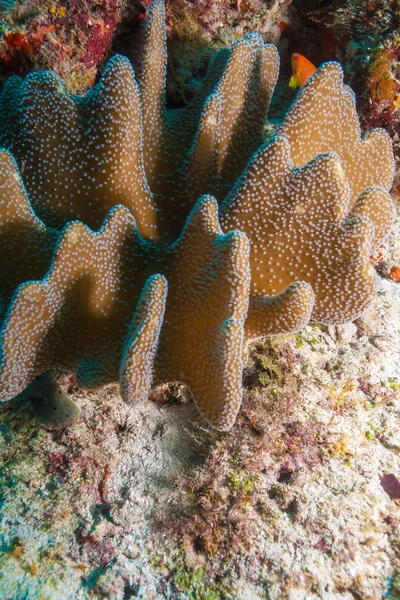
x=26, y=244
x=376, y=205
x=137, y=363
x=346, y=285
x=288, y=311
x=220, y=399
x=245, y=90
x=200, y=171
x=201, y=342
x=152, y=88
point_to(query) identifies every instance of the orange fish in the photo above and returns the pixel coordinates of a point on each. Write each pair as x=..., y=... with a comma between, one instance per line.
x=302, y=70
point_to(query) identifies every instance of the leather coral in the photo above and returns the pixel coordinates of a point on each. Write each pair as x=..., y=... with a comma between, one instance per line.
x=149, y=244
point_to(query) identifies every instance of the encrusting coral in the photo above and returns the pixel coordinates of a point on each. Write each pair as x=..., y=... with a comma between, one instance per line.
x=170, y=286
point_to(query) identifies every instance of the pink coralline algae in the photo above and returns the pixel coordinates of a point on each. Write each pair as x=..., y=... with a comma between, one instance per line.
x=391, y=485
x=72, y=38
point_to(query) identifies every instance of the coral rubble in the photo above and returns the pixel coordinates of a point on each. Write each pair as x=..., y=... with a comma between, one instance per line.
x=167, y=285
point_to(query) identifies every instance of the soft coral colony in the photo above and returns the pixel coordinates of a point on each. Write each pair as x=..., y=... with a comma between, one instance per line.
x=118, y=263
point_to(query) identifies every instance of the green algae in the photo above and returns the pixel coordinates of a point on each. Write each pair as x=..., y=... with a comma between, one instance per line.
x=195, y=584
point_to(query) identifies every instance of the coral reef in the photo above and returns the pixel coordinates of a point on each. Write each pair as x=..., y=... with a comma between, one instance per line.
x=301, y=498
x=290, y=240
x=366, y=40
x=71, y=38
x=380, y=101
